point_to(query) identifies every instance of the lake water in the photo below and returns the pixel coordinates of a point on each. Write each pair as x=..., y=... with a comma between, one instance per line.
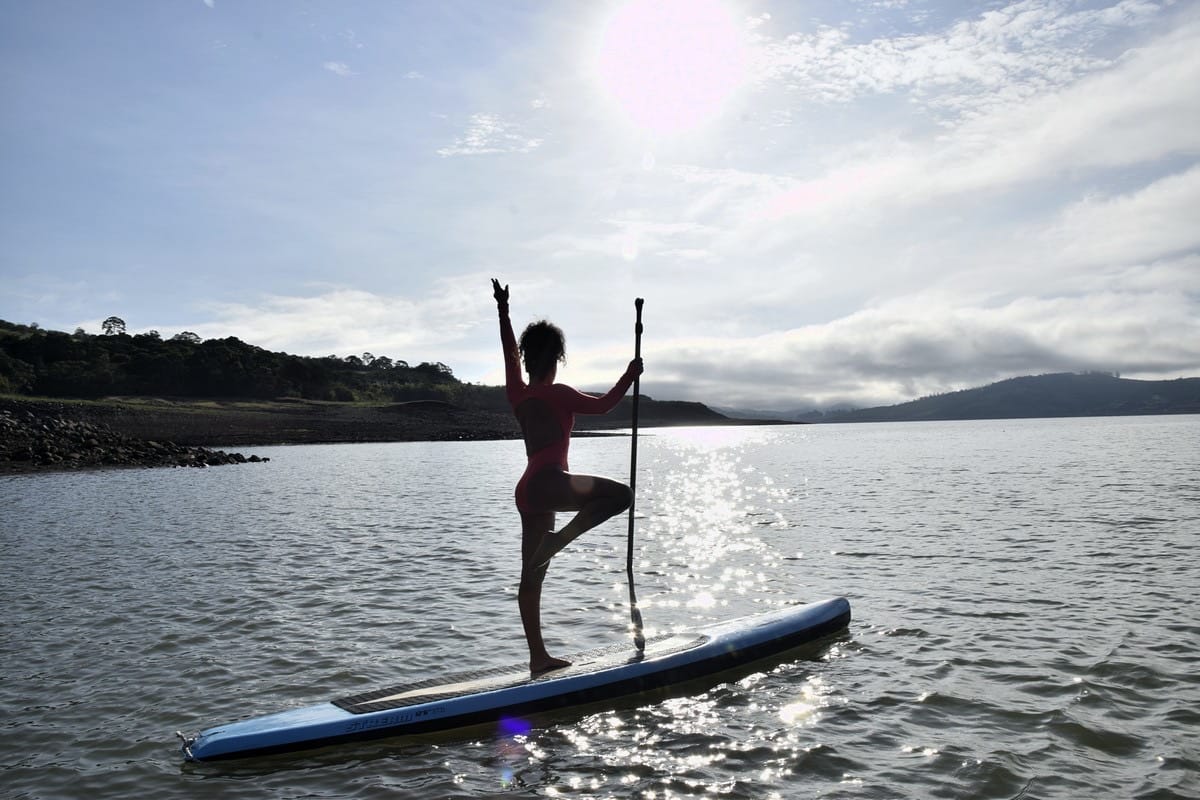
x=1023, y=592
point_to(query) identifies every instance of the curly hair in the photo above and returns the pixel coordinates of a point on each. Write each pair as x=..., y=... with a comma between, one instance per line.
x=542, y=346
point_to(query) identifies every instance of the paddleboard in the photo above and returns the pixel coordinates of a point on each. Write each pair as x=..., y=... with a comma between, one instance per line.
x=471, y=698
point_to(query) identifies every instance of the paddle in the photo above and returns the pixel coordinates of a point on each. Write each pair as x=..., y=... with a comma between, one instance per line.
x=635, y=613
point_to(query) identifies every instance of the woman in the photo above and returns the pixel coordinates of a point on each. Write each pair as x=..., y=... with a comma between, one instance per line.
x=546, y=411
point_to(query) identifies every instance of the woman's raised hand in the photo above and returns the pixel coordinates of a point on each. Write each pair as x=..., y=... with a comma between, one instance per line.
x=635, y=368
x=500, y=292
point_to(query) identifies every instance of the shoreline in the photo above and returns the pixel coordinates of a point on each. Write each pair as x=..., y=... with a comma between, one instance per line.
x=43, y=438
x=54, y=434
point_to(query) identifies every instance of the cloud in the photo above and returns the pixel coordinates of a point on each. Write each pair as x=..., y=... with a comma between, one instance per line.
x=1141, y=109
x=1103, y=281
x=344, y=321
x=925, y=344
x=1150, y=223
x=339, y=68
x=1016, y=51
x=627, y=238
x=489, y=133
x=1017, y=191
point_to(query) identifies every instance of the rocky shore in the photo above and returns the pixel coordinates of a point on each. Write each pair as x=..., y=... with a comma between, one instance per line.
x=39, y=434
x=47, y=434
x=32, y=439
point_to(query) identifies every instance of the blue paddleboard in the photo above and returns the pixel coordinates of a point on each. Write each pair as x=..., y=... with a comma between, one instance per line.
x=472, y=698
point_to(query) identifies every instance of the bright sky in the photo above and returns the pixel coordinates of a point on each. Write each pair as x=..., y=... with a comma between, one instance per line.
x=822, y=202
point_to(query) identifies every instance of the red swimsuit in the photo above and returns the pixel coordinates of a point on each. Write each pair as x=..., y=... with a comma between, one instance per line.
x=547, y=414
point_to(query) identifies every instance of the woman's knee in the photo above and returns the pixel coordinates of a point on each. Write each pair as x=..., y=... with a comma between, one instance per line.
x=622, y=496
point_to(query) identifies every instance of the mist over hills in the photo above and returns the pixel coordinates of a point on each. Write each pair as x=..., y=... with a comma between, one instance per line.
x=1063, y=394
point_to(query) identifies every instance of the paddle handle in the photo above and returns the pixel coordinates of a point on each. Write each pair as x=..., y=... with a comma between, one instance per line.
x=635, y=613
x=637, y=385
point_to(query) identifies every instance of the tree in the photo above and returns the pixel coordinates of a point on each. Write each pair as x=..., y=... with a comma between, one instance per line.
x=437, y=371
x=186, y=336
x=113, y=326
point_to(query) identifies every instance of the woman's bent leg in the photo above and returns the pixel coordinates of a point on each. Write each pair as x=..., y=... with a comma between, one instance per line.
x=595, y=499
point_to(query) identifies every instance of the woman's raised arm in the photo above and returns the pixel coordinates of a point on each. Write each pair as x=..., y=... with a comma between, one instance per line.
x=508, y=341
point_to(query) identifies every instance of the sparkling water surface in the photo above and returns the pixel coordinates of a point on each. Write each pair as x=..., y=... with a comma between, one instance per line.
x=1023, y=594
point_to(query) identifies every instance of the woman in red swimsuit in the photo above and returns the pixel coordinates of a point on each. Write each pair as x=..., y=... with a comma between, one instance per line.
x=546, y=411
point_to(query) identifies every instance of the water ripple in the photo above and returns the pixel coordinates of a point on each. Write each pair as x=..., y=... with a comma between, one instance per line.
x=1022, y=593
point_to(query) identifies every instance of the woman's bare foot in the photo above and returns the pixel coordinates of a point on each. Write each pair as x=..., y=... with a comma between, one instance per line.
x=544, y=665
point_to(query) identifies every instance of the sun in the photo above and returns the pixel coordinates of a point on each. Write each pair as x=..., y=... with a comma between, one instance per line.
x=671, y=66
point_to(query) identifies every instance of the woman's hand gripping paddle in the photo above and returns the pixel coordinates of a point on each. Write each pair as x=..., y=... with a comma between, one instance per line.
x=635, y=613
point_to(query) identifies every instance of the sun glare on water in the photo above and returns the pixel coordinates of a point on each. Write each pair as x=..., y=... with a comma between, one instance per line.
x=671, y=65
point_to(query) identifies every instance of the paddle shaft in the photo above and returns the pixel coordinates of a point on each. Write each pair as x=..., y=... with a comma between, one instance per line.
x=635, y=613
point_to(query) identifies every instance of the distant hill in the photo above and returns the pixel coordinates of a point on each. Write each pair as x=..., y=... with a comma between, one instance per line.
x=653, y=413
x=1055, y=395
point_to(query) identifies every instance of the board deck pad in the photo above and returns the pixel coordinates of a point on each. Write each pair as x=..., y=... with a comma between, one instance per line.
x=488, y=680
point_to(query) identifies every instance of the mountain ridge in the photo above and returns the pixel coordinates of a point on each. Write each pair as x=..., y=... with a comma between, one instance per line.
x=1059, y=394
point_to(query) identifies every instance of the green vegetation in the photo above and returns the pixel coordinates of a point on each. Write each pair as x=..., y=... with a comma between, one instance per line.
x=81, y=365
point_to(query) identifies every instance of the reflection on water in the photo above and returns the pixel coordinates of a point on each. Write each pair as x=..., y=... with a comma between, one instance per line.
x=701, y=542
x=814, y=695
x=1021, y=589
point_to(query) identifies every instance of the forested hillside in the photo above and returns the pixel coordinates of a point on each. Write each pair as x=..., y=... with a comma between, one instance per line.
x=56, y=364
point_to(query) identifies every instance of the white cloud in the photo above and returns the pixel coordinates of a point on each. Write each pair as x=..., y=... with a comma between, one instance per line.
x=627, y=238
x=1019, y=194
x=339, y=68
x=1150, y=223
x=924, y=344
x=1142, y=109
x=345, y=321
x=489, y=133
x=1016, y=51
